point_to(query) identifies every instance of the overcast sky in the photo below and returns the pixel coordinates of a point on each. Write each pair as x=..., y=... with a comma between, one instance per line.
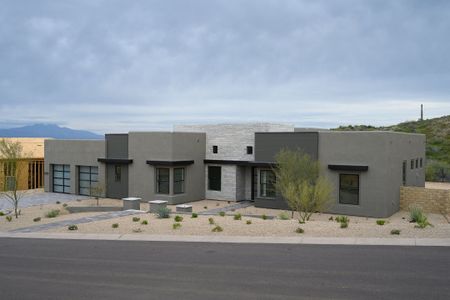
x=110, y=66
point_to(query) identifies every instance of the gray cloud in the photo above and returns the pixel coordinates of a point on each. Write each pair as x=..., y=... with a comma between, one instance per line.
x=122, y=65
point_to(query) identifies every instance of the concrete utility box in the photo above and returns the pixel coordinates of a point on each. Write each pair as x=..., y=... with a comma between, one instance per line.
x=184, y=208
x=131, y=203
x=155, y=205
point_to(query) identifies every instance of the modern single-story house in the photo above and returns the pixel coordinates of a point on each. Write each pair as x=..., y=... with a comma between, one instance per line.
x=234, y=162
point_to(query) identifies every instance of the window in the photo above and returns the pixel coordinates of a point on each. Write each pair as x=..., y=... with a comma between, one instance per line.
x=10, y=173
x=421, y=162
x=118, y=173
x=178, y=180
x=417, y=163
x=215, y=149
x=349, y=189
x=162, y=180
x=404, y=172
x=249, y=149
x=267, y=184
x=412, y=164
x=87, y=180
x=214, y=178
x=61, y=178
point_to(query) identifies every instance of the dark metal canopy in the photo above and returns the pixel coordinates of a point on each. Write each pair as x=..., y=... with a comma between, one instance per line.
x=125, y=161
x=243, y=163
x=357, y=168
x=170, y=163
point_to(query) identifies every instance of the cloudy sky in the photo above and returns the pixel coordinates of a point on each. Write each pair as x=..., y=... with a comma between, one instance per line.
x=138, y=65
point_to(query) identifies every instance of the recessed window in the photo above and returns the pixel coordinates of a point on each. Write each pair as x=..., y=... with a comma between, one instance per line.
x=404, y=172
x=162, y=180
x=267, y=184
x=117, y=173
x=178, y=180
x=249, y=150
x=417, y=163
x=214, y=178
x=215, y=149
x=421, y=162
x=412, y=164
x=349, y=189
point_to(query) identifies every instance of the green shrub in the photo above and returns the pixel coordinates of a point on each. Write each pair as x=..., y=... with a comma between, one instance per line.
x=137, y=230
x=58, y=202
x=330, y=219
x=381, y=222
x=248, y=222
x=37, y=219
x=264, y=217
x=211, y=221
x=178, y=218
x=72, y=227
x=144, y=222
x=194, y=215
x=237, y=217
x=205, y=207
x=415, y=214
x=342, y=219
x=395, y=231
x=163, y=213
x=2, y=214
x=299, y=230
x=136, y=219
x=222, y=214
x=422, y=222
x=53, y=213
x=217, y=229
x=344, y=224
x=65, y=205
x=176, y=225
x=8, y=218
x=115, y=225
x=283, y=216
x=301, y=222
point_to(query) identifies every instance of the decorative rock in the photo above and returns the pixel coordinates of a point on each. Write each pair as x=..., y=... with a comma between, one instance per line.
x=184, y=208
x=131, y=203
x=155, y=205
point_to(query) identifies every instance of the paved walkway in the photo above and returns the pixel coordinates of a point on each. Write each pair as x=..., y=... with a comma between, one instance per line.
x=37, y=197
x=107, y=216
x=238, y=205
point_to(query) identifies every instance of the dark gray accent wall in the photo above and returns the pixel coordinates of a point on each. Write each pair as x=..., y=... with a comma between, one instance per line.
x=268, y=144
x=116, y=145
x=116, y=189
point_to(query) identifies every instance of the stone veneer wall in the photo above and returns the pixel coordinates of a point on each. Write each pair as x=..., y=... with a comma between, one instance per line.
x=429, y=200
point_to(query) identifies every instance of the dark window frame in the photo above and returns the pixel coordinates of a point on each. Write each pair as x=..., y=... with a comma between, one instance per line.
x=215, y=149
x=404, y=168
x=268, y=186
x=412, y=164
x=340, y=189
x=65, y=187
x=249, y=150
x=421, y=162
x=182, y=181
x=417, y=163
x=217, y=184
x=91, y=181
x=160, y=182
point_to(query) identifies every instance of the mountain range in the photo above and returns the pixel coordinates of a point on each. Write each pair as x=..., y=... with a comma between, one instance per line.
x=49, y=131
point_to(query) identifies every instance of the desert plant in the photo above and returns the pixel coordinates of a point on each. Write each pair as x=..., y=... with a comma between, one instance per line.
x=2, y=214
x=422, y=222
x=58, y=202
x=8, y=218
x=178, y=218
x=53, y=213
x=96, y=191
x=330, y=219
x=137, y=230
x=37, y=219
x=72, y=227
x=299, y=230
x=248, y=222
x=176, y=225
x=194, y=215
x=217, y=228
x=264, y=217
x=211, y=221
x=381, y=222
x=205, y=207
x=115, y=225
x=344, y=224
x=144, y=222
x=163, y=212
x=415, y=214
x=136, y=219
x=395, y=231
x=283, y=216
x=342, y=219
x=222, y=214
x=237, y=217
x=65, y=205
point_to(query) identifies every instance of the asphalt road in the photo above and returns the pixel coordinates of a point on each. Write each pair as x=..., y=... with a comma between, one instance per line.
x=71, y=269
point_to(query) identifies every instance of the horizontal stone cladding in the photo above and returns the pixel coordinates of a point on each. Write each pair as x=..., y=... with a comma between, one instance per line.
x=232, y=139
x=429, y=200
x=228, y=184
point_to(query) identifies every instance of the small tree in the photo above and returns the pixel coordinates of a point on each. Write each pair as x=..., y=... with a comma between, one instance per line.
x=97, y=191
x=299, y=181
x=13, y=166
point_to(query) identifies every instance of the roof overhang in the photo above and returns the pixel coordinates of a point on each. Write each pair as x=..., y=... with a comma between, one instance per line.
x=243, y=163
x=356, y=168
x=120, y=161
x=170, y=163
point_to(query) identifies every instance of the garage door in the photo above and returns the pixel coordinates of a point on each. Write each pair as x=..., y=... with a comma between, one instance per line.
x=88, y=177
x=61, y=178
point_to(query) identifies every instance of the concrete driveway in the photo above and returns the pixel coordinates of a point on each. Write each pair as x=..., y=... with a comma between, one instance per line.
x=37, y=197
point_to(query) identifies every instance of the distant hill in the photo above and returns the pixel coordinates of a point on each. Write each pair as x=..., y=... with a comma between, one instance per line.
x=49, y=131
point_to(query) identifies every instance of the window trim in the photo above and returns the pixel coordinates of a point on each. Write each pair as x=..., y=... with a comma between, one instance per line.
x=266, y=184
x=359, y=189
x=220, y=179
x=249, y=150
x=157, y=180
x=183, y=181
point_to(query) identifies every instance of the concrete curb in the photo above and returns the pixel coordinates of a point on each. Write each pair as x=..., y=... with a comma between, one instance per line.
x=442, y=242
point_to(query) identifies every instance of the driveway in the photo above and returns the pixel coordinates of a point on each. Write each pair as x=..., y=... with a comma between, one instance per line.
x=80, y=269
x=37, y=197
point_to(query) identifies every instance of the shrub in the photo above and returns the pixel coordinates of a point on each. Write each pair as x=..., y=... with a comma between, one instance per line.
x=283, y=216
x=144, y=222
x=2, y=214
x=395, y=231
x=178, y=218
x=211, y=221
x=65, y=205
x=53, y=213
x=264, y=217
x=342, y=219
x=163, y=213
x=136, y=219
x=217, y=204
x=301, y=222
x=299, y=230
x=381, y=222
x=422, y=222
x=115, y=225
x=176, y=225
x=222, y=214
x=72, y=227
x=237, y=217
x=217, y=229
x=137, y=230
x=8, y=218
x=344, y=224
x=330, y=219
x=205, y=207
x=37, y=219
x=248, y=222
x=415, y=214
x=194, y=215
x=58, y=202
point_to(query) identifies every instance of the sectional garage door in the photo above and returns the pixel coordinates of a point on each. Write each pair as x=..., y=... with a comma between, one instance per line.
x=61, y=178
x=88, y=177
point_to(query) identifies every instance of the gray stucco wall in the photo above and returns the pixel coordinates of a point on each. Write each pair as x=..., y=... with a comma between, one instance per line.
x=116, y=145
x=74, y=153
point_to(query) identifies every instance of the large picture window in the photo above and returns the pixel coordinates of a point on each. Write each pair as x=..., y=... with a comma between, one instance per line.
x=267, y=184
x=349, y=189
x=178, y=180
x=214, y=178
x=162, y=180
